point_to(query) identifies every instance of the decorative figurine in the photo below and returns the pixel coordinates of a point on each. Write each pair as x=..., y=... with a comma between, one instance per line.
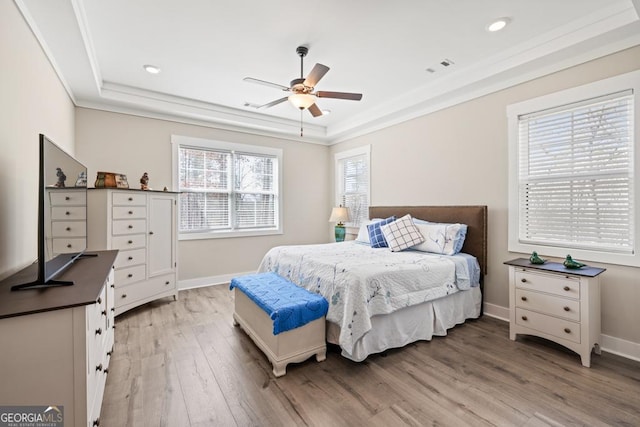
x=82, y=179
x=144, y=181
x=61, y=178
x=535, y=259
x=570, y=263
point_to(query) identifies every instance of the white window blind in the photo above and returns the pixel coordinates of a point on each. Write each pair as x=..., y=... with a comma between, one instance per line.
x=227, y=190
x=353, y=184
x=575, y=180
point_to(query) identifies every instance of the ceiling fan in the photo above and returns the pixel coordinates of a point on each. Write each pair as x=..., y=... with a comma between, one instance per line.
x=302, y=89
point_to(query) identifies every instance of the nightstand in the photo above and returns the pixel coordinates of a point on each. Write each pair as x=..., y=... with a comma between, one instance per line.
x=556, y=303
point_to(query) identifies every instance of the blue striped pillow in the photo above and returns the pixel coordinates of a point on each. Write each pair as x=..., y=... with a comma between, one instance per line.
x=375, y=233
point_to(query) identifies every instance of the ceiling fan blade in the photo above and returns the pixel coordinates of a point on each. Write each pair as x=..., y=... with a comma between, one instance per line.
x=315, y=110
x=276, y=102
x=315, y=75
x=339, y=95
x=265, y=83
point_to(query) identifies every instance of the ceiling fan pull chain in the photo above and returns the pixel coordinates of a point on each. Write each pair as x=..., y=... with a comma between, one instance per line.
x=300, y=123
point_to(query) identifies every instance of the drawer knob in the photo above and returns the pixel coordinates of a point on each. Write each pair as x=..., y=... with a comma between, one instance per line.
x=99, y=368
x=523, y=298
x=523, y=280
x=67, y=213
x=68, y=228
x=167, y=282
x=99, y=300
x=566, y=288
x=96, y=422
x=567, y=308
x=129, y=275
x=567, y=330
x=151, y=232
x=99, y=331
x=524, y=318
x=113, y=285
x=130, y=226
x=106, y=371
x=130, y=242
x=130, y=212
x=130, y=199
x=124, y=295
x=69, y=245
x=113, y=309
x=130, y=258
x=104, y=312
x=109, y=353
x=67, y=198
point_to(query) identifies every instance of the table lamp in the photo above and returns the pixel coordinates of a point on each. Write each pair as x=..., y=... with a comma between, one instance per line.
x=339, y=215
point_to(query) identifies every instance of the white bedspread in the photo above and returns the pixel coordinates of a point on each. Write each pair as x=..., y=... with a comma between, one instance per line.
x=360, y=282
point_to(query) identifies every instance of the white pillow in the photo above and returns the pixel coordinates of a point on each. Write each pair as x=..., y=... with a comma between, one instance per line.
x=363, y=232
x=401, y=234
x=439, y=238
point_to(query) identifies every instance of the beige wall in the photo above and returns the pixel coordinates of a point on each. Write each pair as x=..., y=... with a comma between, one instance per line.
x=133, y=145
x=32, y=101
x=459, y=156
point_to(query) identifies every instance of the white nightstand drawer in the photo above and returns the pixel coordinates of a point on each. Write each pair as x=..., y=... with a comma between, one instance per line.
x=68, y=212
x=68, y=198
x=125, y=212
x=129, y=242
x=65, y=246
x=132, y=226
x=560, y=328
x=124, y=276
x=129, y=199
x=130, y=258
x=548, y=304
x=565, y=286
x=69, y=229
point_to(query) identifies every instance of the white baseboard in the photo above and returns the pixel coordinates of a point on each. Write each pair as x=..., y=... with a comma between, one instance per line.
x=613, y=345
x=201, y=282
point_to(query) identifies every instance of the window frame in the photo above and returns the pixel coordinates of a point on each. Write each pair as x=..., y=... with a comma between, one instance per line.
x=569, y=96
x=339, y=176
x=178, y=141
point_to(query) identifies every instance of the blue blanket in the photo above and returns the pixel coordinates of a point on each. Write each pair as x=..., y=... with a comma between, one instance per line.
x=288, y=305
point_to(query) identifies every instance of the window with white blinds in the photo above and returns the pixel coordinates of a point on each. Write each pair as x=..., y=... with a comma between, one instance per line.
x=352, y=179
x=226, y=188
x=572, y=179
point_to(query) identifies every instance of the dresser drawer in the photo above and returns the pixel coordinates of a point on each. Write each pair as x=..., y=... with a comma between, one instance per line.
x=559, y=328
x=132, y=226
x=68, y=198
x=548, y=304
x=68, y=212
x=125, y=212
x=65, y=246
x=69, y=229
x=125, y=276
x=129, y=242
x=129, y=199
x=144, y=290
x=130, y=258
x=565, y=286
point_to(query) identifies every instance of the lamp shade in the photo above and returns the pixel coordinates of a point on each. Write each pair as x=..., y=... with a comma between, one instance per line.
x=302, y=100
x=339, y=215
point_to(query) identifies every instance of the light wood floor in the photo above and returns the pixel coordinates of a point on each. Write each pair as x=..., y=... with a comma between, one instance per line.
x=184, y=364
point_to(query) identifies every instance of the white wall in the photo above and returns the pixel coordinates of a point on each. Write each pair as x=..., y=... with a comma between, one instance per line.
x=459, y=156
x=133, y=145
x=32, y=101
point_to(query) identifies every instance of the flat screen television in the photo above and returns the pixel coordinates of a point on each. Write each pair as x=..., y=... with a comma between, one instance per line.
x=62, y=208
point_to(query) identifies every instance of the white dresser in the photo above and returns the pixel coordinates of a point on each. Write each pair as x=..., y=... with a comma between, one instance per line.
x=556, y=303
x=142, y=225
x=67, y=228
x=57, y=342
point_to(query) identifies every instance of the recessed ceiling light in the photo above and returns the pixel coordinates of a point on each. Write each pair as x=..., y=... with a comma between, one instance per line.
x=326, y=112
x=152, y=69
x=498, y=24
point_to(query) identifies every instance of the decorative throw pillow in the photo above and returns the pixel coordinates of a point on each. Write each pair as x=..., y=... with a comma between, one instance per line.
x=445, y=239
x=401, y=234
x=363, y=233
x=376, y=238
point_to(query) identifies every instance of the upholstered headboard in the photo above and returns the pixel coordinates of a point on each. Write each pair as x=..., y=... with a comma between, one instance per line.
x=474, y=216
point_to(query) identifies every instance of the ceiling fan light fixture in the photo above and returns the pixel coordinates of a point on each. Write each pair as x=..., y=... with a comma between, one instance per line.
x=302, y=101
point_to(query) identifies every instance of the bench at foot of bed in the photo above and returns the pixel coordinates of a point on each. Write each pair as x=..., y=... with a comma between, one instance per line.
x=285, y=321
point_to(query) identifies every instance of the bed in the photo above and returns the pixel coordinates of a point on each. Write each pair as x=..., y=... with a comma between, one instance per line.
x=381, y=299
